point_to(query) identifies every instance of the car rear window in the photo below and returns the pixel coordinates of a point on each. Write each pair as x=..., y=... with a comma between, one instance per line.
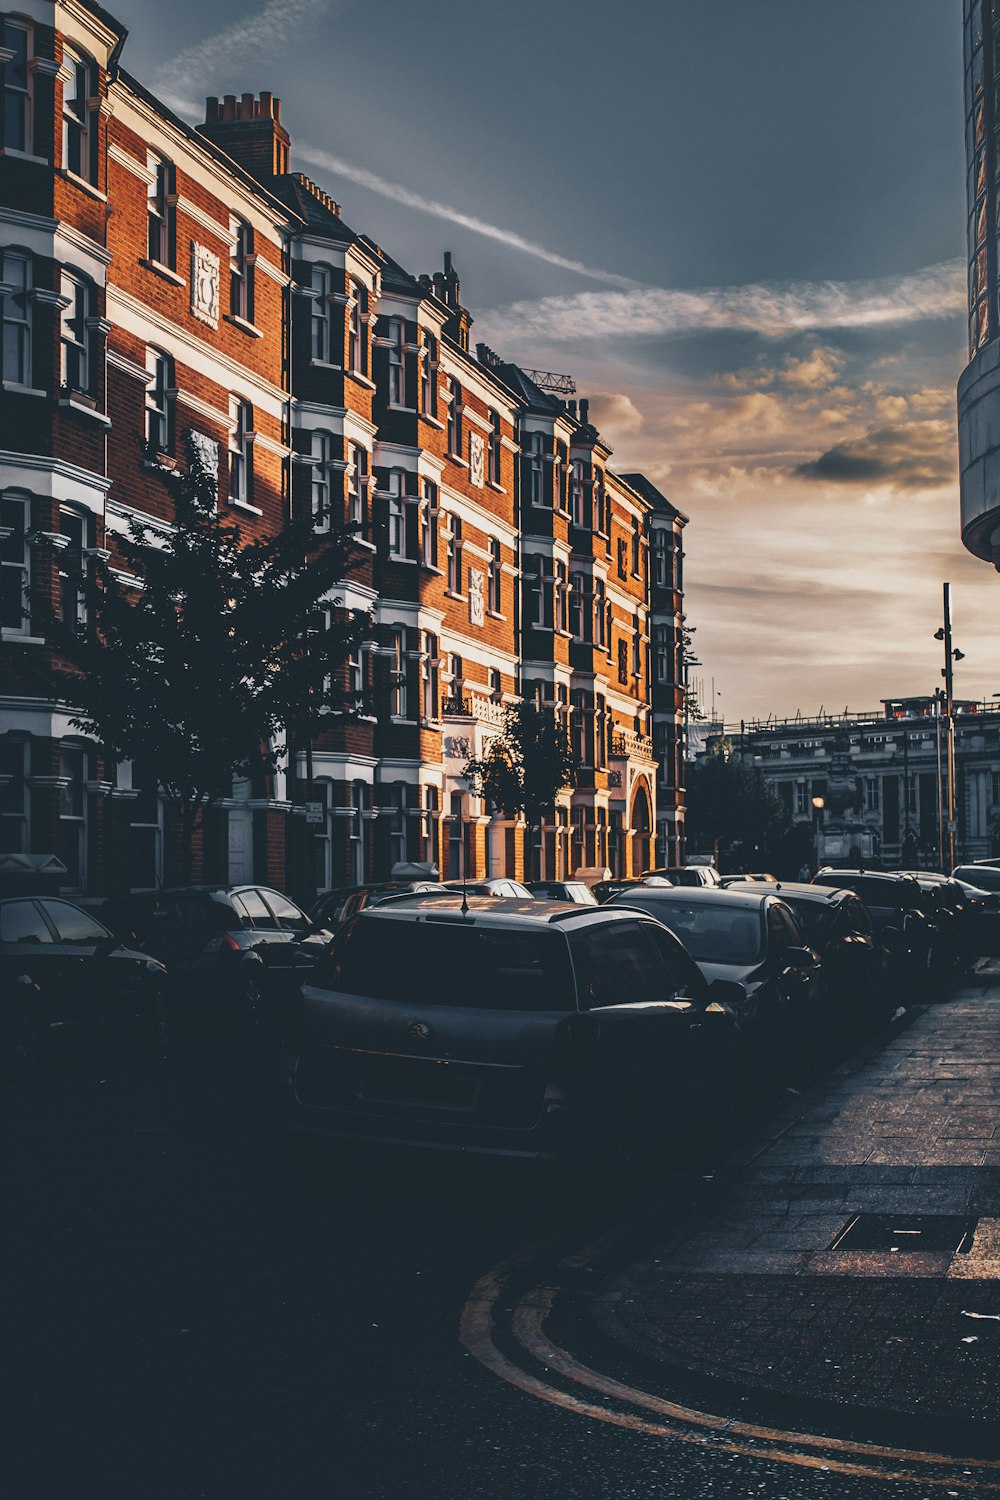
x=986, y=877
x=712, y=931
x=449, y=963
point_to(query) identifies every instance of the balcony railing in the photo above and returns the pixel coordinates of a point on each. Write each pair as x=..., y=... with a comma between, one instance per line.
x=631, y=746
x=473, y=706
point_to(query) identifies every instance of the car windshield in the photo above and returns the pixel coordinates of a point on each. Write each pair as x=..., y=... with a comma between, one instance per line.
x=713, y=932
x=812, y=916
x=986, y=877
x=450, y=963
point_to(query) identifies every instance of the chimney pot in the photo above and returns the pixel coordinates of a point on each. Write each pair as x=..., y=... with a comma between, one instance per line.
x=267, y=102
x=571, y=407
x=447, y=262
x=211, y=110
x=229, y=107
x=248, y=107
x=585, y=410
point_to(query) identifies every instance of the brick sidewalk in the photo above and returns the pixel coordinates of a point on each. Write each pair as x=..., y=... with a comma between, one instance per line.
x=906, y=1142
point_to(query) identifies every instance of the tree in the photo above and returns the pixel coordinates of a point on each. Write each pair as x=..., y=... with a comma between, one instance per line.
x=524, y=767
x=212, y=653
x=732, y=810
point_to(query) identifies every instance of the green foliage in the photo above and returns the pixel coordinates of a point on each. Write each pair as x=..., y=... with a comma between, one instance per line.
x=526, y=765
x=208, y=654
x=731, y=807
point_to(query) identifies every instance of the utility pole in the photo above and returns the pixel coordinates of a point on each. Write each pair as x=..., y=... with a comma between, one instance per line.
x=951, y=655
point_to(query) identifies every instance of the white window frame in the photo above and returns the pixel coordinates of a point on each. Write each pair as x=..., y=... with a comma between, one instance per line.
x=17, y=567
x=16, y=764
x=455, y=419
x=159, y=402
x=428, y=374
x=356, y=306
x=241, y=288
x=73, y=819
x=453, y=537
x=494, y=585
x=161, y=237
x=75, y=525
x=397, y=362
x=321, y=452
x=320, y=320
x=80, y=117
x=357, y=487
x=494, y=450
x=16, y=90
x=240, y=451
x=16, y=348
x=396, y=514
x=398, y=673
x=77, y=362
x=429, y=513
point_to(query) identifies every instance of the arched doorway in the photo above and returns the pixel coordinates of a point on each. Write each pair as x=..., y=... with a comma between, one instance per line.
x=642, y=823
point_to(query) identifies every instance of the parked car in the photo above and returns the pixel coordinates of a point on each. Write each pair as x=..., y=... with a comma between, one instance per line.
x=605, y=889
x=967, y=925
x=689, y=875
x=233, y=953
x=69, y=985
x=508, y=1029
x=563, y=890
x=854, y=963
x=336, y=906
x=500, y=885
x=899, y=911
x=758, y=878
x=749, y=937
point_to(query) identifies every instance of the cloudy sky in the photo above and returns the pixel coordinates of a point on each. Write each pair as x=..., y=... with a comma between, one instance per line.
x=739, y=226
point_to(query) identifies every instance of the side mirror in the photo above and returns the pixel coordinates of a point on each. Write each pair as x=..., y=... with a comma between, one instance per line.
x=727, y=992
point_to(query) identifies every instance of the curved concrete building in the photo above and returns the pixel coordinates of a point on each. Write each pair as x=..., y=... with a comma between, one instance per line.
x=979, y=386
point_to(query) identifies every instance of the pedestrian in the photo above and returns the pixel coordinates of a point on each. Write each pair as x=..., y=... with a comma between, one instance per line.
x=805, y=874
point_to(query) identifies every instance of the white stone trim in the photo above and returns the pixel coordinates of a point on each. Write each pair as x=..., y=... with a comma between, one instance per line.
x=54, y=479
x=200, y=355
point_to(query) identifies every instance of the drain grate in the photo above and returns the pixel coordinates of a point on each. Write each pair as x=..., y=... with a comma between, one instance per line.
x=950, y=1233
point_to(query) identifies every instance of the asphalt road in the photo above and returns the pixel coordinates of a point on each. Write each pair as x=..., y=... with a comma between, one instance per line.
x=194, y=1308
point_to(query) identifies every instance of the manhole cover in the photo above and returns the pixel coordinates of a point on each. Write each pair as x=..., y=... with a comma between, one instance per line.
x=950, y=1233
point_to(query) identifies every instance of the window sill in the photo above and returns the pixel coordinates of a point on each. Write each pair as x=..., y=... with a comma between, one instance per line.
x=245, y=506
x=401, y=719
x=15, y=638
x=450, y=594
x=498, y=488
x=82, y=184
x=325, y=364
x=456, y=458
x=492, y=614
x=12, y=151
x=166, y=273
x=430, y=568
x=396, y=558
x=433, y=724
x=16, y=389
x=89, y=412
x=431, y=421
x=359, y=541
x=410, y=411
x=360, y=379
x=160, y=463
x=244, y=325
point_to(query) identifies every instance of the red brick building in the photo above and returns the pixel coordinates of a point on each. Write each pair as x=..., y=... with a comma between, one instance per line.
x=158, y=282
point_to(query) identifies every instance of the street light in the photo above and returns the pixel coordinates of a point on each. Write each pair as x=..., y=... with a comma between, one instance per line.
x=818, y=805
x=951, y=655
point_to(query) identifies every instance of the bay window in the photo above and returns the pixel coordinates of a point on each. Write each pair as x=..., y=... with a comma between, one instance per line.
x=397, y=513
x=15, y=567
x=77, y=363
x=397, y=362
x=319, y=487
x=80, y=117
x=72, y=560
x=320, y=341
x=428, y=375
x=429, y=525
x=357, y=487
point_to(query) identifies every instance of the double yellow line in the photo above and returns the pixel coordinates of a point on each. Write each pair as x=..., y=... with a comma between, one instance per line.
x=657, y=1417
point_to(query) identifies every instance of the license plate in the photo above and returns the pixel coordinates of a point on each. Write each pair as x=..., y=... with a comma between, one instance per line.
x=433, y=1085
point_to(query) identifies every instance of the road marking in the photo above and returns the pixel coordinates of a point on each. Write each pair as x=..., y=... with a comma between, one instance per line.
x=477, y=1335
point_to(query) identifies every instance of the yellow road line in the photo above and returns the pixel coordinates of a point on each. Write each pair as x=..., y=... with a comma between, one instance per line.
x=685, y=1423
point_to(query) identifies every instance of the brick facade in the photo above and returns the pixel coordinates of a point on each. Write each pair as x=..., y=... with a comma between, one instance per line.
x=159, y=281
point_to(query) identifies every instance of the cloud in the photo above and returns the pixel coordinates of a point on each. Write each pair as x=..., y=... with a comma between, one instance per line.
x=770, y=309
x=280, y=22
x=819, y=370
x=614, y=413
x=425, y=205
x=911, y=455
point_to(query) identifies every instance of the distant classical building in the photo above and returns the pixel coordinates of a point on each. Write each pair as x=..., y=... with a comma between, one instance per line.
x=880, y=776
x=979, y=386
x=160, y=282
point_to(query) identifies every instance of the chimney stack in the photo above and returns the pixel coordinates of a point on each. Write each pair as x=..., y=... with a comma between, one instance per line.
x=250, y=131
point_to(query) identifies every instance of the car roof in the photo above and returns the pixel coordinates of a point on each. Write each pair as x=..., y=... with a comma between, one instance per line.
x=891, y=875
x=682, y=895
x=490, y=911
x=821, y=894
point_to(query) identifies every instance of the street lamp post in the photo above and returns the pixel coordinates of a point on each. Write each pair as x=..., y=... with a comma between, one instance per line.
x=819, y=803
x=951, y=655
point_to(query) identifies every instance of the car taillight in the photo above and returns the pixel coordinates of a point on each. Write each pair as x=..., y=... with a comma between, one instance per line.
x=228, y=941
